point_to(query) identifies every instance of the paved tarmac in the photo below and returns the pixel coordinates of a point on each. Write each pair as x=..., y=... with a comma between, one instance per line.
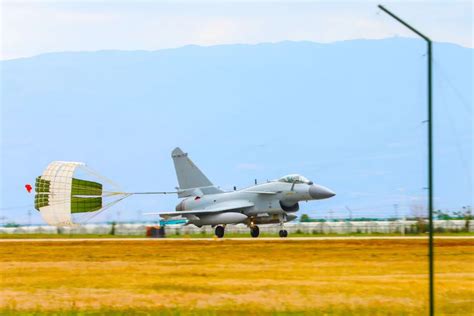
x=300, y=239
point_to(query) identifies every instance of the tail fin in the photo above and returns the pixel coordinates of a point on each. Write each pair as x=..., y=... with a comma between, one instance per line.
x=189, y=176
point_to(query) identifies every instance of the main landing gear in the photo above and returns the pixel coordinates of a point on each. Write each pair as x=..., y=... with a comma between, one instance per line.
x=254, y=231
x=282, y=233
x=220, y=231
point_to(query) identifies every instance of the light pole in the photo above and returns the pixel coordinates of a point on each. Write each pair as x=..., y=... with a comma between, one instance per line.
x=430, y=155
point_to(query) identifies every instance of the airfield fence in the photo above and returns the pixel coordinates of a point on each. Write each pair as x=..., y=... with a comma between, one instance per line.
x=315, y=228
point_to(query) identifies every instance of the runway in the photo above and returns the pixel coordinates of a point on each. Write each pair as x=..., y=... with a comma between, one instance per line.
x=298, y=239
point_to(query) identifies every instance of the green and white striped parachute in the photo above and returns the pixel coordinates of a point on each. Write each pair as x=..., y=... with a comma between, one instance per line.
x=59, y=194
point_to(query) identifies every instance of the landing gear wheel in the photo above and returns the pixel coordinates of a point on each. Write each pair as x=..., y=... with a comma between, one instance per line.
x=254, y=231
x=219, y=231
x=283, y=233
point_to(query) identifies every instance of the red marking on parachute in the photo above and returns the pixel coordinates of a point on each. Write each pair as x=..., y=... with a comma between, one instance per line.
x=197, y=198
x=28, y=188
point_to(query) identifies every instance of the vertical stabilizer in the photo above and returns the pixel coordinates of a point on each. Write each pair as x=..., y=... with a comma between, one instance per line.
x=188, y=174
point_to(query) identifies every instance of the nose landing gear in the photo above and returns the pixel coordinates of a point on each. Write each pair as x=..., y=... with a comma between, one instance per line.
x=282, y=233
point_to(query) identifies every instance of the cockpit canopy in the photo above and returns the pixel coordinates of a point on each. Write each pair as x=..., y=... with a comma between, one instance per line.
x=295, y=178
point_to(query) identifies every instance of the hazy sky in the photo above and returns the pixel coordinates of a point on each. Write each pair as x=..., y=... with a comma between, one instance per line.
x=34, y=27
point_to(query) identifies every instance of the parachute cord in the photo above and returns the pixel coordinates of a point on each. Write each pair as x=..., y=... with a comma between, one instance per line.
x=161, y=192
x=91, y=171
x=106, y=207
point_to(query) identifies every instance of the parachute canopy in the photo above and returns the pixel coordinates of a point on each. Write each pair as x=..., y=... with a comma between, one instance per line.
x=59, y=194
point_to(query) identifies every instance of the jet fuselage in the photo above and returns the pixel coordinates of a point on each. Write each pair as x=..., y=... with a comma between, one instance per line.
x=270, y=201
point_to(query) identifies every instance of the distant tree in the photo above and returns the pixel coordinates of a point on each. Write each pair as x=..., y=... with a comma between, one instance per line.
x=112, y=229
x=439, y=214
x=305, y=218
x=11, y=224
x=418, y=212
x=467, y=212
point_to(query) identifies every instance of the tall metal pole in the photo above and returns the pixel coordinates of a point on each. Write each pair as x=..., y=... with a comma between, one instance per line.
x=430, y=177
x=430, y=156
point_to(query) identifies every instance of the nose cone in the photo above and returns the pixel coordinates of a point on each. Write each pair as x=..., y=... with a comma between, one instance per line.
x=318, y=192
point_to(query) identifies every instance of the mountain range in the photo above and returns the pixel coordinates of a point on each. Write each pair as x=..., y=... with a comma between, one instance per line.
x=348, y=115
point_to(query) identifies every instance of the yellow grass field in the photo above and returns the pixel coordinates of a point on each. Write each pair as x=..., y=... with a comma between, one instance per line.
x=233, y=277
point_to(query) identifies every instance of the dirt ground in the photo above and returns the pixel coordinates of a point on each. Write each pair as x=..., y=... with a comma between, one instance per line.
x=225, y=277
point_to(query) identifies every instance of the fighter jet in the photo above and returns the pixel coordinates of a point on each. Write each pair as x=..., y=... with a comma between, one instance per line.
x=273, y=202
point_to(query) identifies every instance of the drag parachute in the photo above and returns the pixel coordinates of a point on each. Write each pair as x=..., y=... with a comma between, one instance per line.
x=59, y=193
